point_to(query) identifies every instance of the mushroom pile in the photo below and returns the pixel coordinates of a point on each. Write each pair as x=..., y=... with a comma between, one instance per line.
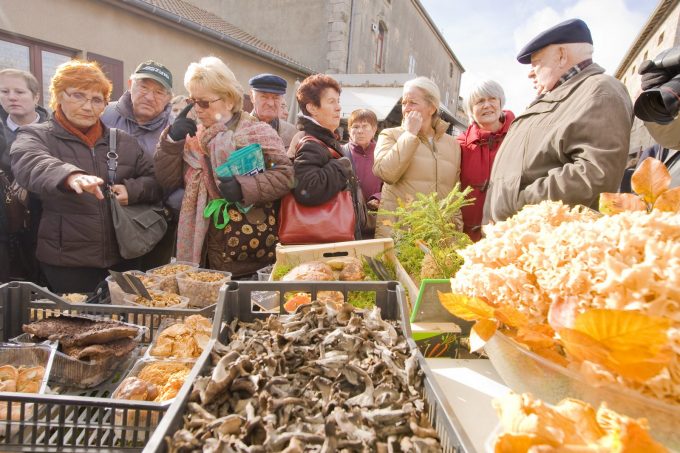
x=324, y=379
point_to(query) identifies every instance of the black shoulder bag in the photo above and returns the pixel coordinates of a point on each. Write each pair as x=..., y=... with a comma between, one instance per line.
x=138, y=227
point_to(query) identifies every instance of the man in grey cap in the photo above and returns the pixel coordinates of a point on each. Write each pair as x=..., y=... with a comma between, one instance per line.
x=571, y=143
x=266, y=92
x=144, y=111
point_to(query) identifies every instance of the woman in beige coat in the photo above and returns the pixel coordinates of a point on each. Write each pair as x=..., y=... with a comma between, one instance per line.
x=417, y=157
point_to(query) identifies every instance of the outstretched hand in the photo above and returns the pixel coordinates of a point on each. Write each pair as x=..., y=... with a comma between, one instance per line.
x=80, y=182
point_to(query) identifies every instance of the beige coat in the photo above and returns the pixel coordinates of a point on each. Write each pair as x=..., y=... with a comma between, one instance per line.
x=570, y=145
x=408, y=165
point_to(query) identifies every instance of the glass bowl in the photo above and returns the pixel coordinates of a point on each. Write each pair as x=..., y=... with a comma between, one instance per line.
x=526, y=372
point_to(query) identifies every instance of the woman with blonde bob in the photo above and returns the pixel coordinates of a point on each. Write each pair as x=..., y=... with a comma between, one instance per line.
x=64, y=162
x=479, y=144
x=418, y=156
x=225, y=223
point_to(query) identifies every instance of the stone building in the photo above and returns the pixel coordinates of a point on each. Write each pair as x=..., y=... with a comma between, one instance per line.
x=661, y=31
x=38, y=35
x=351, y=37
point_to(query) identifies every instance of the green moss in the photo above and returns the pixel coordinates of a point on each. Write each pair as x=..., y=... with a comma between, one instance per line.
x=280, y=270
x=361, y=299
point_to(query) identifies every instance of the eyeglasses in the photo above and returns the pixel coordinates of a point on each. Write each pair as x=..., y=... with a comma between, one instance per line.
x=80, y=99
x=157, y=92
x=203, y=104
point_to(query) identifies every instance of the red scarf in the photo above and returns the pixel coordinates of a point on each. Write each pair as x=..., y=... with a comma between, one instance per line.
x=90, y=136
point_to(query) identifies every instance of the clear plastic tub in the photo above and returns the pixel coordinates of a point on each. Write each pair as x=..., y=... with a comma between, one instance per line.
x=526, y=372
x=28, y=356
x=168, y=274
x=161, y=299
x=117, y=293
x=181, y=339
x=159, y=385
x=202, y=286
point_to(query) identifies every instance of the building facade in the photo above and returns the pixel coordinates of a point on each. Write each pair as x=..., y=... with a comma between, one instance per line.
x=660, y=32
x=120, y=34
x=351, y=37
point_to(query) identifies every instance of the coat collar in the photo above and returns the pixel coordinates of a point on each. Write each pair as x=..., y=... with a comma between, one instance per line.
x=475, y=134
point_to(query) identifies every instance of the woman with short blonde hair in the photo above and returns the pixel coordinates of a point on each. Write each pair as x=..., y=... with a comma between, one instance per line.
x=227, y=223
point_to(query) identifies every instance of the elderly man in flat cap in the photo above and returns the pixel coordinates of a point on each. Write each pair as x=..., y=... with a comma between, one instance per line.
x=571, y=143
x=266, y=92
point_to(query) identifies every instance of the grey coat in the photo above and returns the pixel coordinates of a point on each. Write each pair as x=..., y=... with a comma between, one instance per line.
x=570, y=145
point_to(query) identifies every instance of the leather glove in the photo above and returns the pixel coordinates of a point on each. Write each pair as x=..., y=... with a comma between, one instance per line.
x=230, y=189
x=346, y=165
x=653, y=77
x=183, y=125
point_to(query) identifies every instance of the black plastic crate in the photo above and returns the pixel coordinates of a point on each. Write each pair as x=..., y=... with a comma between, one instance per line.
x=237, y=304
x=77, y=419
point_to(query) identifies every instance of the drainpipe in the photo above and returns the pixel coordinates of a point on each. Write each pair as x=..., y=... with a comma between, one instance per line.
x=351, y=33
x=248, y=48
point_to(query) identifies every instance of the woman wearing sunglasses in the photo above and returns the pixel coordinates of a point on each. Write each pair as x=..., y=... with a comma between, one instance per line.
x=64, y=162
x=230, y=223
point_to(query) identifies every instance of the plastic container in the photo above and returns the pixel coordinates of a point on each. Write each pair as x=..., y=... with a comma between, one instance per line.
x=131, y=417
x=72, y=372
x=161, y=299
x=117, y=293
x=389, y=298
x=25, y=355
x=189, y=345
x=168, y=274
x=76, y=419
x=524, y=371
x=202, y=286
x=264, y=274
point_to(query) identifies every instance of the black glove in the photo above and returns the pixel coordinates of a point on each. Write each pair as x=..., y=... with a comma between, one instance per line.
x=183, y=125
x=230, y=189
x=653, y=76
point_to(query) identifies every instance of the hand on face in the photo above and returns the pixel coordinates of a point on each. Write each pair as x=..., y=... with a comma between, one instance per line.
x=413, y=121
x=80, y=182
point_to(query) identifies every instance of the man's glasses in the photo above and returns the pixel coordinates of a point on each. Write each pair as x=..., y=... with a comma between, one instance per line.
x=80, y=99
x=203, y=104
x=157, y=92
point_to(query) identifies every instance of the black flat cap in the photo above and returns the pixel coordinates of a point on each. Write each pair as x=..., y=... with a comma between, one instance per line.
x=269, y=83
x=569, y=31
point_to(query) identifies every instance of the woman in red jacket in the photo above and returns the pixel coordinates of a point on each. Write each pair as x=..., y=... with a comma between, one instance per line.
x=479, y=144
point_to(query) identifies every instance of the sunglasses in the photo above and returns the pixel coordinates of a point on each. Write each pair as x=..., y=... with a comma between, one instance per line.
x=203, y=104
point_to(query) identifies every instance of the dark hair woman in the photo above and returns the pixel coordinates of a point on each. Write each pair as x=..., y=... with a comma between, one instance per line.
x=63, y=161
x=318, y=175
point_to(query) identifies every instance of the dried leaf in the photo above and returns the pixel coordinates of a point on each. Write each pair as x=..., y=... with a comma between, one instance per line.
x=621, y=330
x=669, y=200
x=510, y=316
x=650, y=179
x=513, y=443
x=464, y=307
x=582, y=347
x=615, y=203
x=536, y=337
x=481, y=332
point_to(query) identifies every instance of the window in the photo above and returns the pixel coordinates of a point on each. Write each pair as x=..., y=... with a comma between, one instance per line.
x=114, y=71
x=41, y=59
x=411, y=64
x=380, y=48
x=450, y=70
x=660, y=39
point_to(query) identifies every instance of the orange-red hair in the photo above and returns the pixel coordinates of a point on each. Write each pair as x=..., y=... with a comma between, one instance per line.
x=86, y=75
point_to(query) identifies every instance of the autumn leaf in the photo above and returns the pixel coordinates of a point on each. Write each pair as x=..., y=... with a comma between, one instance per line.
x=581, y=346
x=650, y=179
x=623, y=329
x=510, y=316
x=481, y=332
x=615, y=203
x=464, y=307
x=669, y=200
x=536, y=337
x=513, y=443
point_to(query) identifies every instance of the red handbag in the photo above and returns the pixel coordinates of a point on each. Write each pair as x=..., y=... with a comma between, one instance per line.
x=332, y=221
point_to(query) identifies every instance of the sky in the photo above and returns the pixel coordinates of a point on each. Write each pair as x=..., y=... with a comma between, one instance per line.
x=486, y=35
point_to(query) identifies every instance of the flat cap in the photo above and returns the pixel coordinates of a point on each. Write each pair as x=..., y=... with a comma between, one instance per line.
x=569, y=31
x=154, y=70
x=269, y=83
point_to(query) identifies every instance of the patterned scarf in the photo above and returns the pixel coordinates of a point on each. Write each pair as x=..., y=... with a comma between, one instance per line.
x=90, y=136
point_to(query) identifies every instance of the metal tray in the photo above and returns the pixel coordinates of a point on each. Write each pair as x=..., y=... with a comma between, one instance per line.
x=77, y=420
x=237, y=303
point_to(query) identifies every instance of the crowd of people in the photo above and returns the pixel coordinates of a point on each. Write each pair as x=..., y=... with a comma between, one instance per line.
x=570, y=144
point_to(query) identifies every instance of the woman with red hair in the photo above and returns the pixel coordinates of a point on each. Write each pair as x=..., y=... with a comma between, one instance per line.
x=64, y=162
